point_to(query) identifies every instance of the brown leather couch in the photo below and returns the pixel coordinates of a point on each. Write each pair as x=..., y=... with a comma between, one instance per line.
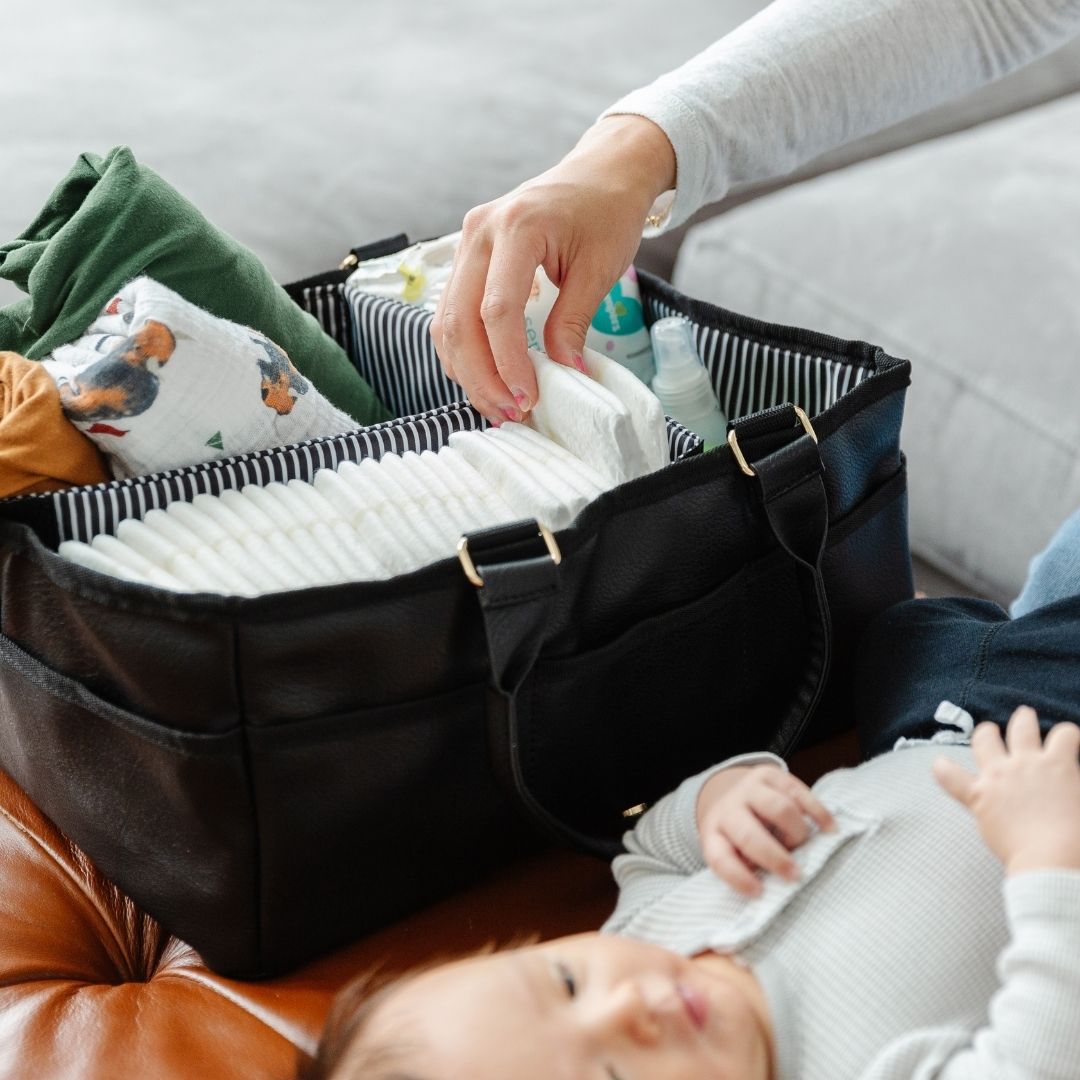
x=90, y=987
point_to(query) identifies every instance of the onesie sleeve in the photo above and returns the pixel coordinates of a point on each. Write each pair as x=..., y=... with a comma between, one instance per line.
x=804, y=76
x=1032, y=1029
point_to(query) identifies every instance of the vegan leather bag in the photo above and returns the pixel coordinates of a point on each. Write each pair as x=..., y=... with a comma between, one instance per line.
x=272, y=776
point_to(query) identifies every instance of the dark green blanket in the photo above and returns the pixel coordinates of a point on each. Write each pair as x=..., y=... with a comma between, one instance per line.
x=111, y=220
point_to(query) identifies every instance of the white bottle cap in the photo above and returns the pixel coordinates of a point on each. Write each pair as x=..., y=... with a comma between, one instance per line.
x=673, y=350
x=681, y=382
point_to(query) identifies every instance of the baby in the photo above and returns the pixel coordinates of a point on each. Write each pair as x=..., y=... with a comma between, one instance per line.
x=768, y=930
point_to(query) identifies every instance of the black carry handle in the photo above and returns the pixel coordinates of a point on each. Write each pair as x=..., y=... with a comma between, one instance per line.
x=795, y=502
x=516, y=590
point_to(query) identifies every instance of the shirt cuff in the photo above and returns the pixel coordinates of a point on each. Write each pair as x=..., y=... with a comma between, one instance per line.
x=1043, y=894
x=681, y=125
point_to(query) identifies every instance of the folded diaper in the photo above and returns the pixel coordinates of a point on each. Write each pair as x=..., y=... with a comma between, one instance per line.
x=350, y=549
x=417, y=488
x=587, y=419
x=158, y=383
x=107, y=555
x=472, y=480
x=549, y=455
x=261, y=510
x=527, y=496
x=547, y=472
x=226, y=533
x=646, y=413
x=383, y=542
x=465, y=508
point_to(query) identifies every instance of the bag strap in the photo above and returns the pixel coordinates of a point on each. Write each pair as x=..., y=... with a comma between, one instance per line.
x=517, y=587
x=792, y=487
x=516, y=590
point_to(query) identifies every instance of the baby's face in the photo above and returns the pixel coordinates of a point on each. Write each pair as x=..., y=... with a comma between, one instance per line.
x=589, y=1007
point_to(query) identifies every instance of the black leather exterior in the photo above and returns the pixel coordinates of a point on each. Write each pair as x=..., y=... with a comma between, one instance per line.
x=271, y=777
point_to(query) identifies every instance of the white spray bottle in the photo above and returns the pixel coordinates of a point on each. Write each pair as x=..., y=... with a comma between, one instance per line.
x=682, y=384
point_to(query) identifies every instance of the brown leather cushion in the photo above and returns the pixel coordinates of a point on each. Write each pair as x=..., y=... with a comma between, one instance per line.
x=90, y=987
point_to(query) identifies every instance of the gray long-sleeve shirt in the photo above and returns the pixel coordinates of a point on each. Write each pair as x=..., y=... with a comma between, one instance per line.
x=902, y=953
x=804, y=76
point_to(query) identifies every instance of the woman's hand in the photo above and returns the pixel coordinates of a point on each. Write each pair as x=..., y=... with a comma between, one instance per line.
x=581, y=221
x=1026, y=797
x=750, y=818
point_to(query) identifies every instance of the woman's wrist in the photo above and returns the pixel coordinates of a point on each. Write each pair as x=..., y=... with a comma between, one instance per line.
x=635, y=149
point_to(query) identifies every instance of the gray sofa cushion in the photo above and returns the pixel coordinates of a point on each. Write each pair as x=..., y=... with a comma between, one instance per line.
x=304, y=128
x=962, y=255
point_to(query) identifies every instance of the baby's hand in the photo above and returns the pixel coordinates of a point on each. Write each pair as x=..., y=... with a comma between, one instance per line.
x=750, y=818
x=1026, y=798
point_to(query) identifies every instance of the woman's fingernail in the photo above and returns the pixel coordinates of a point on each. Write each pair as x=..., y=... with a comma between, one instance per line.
x=579, y=362
x=511, y=413
x=521, y=398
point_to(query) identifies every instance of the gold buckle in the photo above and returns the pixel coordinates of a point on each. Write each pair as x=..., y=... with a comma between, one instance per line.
x=733, y=441
x=469, y=566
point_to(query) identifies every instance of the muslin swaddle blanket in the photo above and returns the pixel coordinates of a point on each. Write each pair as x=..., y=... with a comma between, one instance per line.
x=157, y=383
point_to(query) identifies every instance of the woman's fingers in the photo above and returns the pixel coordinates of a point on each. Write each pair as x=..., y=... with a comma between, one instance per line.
x=955, y=780
x=506, y=291
x=581, y=292
x=460, y=335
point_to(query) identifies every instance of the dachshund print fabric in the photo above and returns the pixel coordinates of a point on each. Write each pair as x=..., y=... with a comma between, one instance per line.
x=158, y=383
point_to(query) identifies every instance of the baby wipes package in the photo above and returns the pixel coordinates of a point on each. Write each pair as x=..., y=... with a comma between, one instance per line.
x=618, y=328
x=416, y=274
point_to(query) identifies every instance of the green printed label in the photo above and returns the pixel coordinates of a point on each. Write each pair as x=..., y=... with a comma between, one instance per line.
x=619, y=314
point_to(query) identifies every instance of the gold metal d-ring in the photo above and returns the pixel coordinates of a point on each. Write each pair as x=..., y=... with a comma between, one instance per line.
x=733, y=441
x=469, y=566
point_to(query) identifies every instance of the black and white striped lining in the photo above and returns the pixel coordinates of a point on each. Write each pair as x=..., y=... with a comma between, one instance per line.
x=83, y=513
x=749, y=376
x=327, y=304
x=392, y=349
x=390, y=344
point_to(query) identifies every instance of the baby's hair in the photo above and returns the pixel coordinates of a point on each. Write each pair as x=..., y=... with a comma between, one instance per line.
x=342, y=1046
x=352, y=1009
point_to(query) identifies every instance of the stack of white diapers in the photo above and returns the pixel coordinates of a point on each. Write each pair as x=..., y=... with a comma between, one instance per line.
x=375, y=519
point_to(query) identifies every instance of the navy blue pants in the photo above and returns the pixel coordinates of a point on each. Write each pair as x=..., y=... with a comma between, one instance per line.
x=969, y=652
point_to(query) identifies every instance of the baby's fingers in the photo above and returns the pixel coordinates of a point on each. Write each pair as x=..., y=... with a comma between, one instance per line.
x=808, y=803
x=757, y=845
x=726, y=863
x=1023, y=732
x=1064, y=739
x=955, y=779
